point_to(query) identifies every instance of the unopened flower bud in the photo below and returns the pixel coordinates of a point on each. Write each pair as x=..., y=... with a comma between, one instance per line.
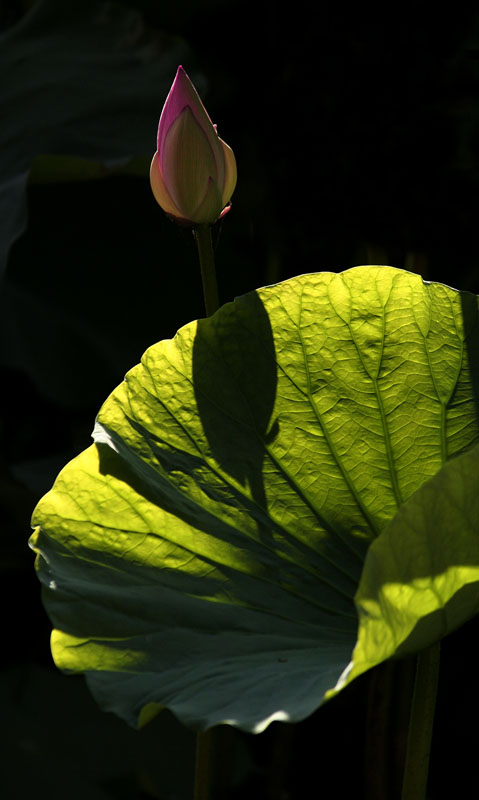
x=193, y=172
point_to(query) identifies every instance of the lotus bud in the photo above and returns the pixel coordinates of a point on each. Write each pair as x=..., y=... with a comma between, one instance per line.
x=193, y=172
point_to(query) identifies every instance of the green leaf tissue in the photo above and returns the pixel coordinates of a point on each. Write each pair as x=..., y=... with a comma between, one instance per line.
x=280, y=497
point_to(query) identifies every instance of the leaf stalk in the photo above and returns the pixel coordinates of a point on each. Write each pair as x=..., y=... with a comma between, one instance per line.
x=421, y=724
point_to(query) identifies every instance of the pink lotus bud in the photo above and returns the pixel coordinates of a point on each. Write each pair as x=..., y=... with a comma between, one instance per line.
x=193, y=172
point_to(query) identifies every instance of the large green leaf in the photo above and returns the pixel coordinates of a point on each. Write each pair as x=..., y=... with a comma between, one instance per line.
x=82, y=87
x=205, y=553
x=421, y=575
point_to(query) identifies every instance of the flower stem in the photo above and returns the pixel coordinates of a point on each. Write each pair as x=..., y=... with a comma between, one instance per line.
x=207, y=264
x=421, y=724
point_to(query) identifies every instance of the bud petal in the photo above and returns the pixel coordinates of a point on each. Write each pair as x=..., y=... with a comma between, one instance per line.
x=230, y=173
x=159, y=189
x=193, y=172
x=188, y=163
x=208, y=208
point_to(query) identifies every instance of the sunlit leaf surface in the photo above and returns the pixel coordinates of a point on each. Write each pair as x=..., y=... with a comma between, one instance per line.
x=421, y=576
x=205, y=553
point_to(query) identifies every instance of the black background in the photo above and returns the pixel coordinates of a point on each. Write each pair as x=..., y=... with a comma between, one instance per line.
x=357, y=139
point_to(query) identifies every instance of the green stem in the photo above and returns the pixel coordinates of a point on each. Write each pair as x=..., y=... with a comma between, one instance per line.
x=283, y=737
x=203, y=765
x=421, y=724
x=207, y=264
x=390, y=690
x=378, y=731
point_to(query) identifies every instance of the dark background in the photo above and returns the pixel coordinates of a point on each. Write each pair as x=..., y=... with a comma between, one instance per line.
x=357, y=141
